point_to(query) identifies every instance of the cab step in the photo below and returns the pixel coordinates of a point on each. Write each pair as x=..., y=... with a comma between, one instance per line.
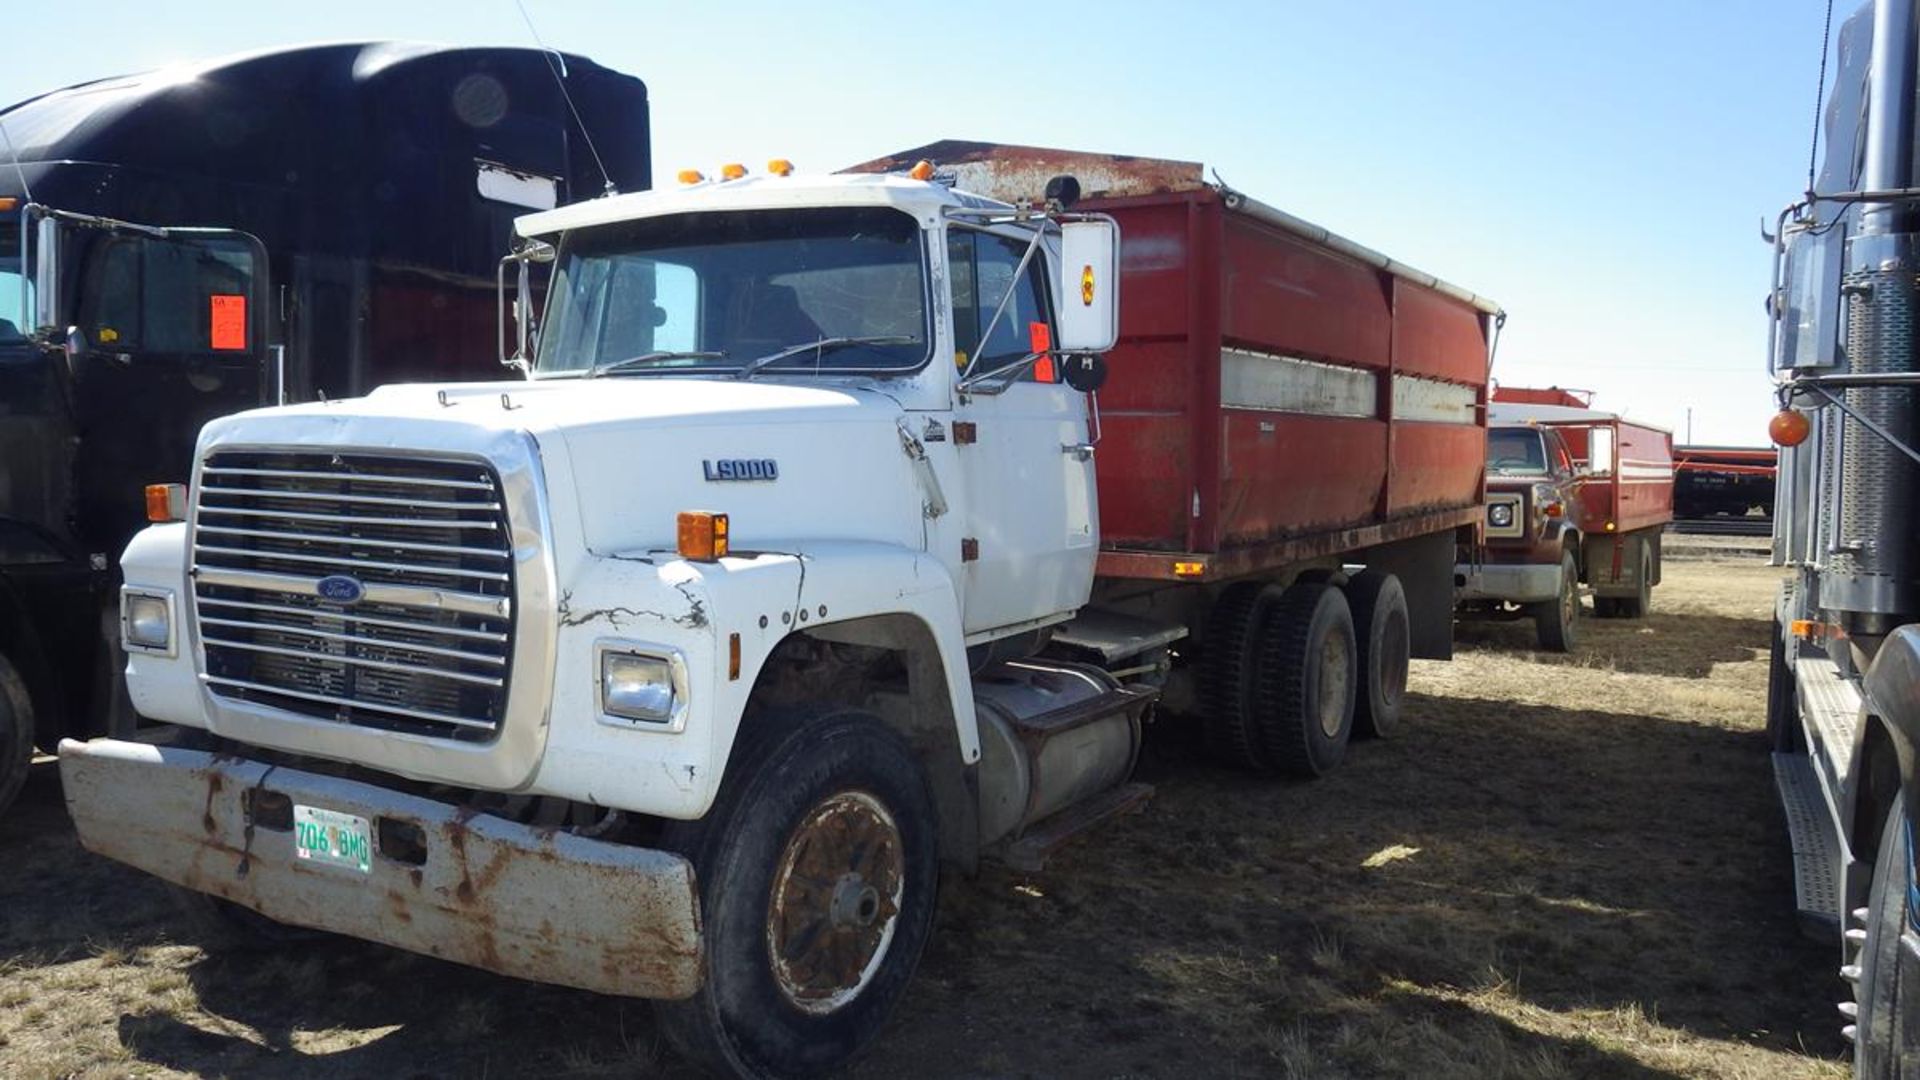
x=1816, y=850
x=1029, y=854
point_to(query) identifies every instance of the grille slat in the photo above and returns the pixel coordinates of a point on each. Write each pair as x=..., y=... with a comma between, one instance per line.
x=409, y=523
x=333, y=497
x=426, y=647
x=316, y=538
x=276, y=555
x=364, y=620
x=387, y=644
x=358, y=478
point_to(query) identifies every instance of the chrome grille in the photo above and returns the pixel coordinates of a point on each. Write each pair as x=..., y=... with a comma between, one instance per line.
x=426, y=647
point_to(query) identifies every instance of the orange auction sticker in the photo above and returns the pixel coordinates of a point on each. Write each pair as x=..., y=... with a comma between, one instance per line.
x=229, y=322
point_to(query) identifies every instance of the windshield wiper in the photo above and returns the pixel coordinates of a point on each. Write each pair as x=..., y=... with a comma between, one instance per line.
x=648, y=358
x=821, y=345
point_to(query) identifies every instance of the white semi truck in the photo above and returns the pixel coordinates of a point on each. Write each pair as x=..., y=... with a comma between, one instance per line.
x=680, y=669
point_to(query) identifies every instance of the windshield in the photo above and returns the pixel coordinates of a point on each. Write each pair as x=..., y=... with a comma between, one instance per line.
x=1515, y=450
x=15, y=321
x=736, y=287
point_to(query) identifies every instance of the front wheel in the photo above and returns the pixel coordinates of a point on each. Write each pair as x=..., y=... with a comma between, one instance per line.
x=16, y=735
x=1886, y=1001
x=817, y=867
x=1556, y=621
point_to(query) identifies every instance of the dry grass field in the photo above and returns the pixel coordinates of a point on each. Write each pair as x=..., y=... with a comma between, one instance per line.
x=1565, y=867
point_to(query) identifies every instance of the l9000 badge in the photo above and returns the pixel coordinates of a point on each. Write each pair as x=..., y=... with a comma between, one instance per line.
x=742, y=469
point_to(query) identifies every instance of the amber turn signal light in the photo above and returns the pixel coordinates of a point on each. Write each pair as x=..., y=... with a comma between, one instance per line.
x=703, y=535
x=166, y=502
x=1789, y=427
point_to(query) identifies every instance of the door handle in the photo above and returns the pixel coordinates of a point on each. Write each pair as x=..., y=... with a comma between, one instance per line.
x=1080, y=451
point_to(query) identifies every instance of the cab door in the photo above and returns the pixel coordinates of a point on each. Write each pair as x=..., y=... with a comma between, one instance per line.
x=172, y=329
x=1028, y=516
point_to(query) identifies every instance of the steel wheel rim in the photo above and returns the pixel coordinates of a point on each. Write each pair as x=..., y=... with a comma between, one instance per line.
x=835, y=902
x=1336, y=663
x=1569, y=602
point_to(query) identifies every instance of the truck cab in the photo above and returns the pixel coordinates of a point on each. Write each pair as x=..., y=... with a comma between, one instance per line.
x=1575, y=497
x=175, y=247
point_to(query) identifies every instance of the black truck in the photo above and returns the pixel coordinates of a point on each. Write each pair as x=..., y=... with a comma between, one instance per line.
x=282, y=225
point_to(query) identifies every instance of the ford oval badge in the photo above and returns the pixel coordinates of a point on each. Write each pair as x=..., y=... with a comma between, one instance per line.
x=340, y=589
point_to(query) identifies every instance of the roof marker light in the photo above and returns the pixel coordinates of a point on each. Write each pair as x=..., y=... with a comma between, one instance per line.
x=690, y=176
x=922, y=170
x=732, y=170
x=780, y=167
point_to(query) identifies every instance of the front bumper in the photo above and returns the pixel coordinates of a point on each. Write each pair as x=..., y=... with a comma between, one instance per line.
x=532, y=903
x=1516, y=583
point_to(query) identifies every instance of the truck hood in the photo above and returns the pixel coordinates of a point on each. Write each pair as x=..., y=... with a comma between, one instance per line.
x=623, y=456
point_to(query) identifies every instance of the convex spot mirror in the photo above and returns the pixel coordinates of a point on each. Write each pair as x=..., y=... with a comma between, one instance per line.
x=1085, y=372
x=1089, y=299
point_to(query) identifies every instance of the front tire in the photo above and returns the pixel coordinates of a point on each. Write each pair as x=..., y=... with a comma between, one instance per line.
x=1556, y=622
x=16, y=735
x=1886, y=1024
x=817, y=866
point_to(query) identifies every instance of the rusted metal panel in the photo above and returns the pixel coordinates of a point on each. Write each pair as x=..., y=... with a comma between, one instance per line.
x=1436, y=465
x=533, y=903
x=1019, y=174
x=1285, y=295
x=1288, y=474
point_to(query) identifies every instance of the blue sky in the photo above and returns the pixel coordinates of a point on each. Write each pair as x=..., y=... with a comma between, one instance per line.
x=1601, y=169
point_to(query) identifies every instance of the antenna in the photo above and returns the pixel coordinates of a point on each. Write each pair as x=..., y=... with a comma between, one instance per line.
x=555, y=65
x=25, y=189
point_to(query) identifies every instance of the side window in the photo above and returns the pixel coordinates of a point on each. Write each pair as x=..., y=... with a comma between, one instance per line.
x=170, y=296
x=982, y=267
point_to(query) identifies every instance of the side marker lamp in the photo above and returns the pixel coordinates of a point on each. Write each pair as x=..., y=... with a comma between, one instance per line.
x=702, y=535
x=166, y=502
x=1789, y=427
x=1189, y=569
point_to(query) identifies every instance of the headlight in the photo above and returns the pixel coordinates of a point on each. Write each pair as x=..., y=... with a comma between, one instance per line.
x=1500, y=515
x=637, y=687
x=146, y=622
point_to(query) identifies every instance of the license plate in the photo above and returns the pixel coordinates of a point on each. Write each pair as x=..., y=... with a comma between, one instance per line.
x=331, y=837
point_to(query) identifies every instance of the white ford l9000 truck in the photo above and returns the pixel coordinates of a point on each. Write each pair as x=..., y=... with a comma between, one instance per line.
x=681, y=668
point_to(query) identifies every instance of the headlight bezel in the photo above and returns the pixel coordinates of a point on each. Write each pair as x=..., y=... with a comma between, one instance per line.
x=630, y=716
x=150, y=601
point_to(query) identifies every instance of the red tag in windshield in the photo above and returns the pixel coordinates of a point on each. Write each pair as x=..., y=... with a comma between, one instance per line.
x=229, y=322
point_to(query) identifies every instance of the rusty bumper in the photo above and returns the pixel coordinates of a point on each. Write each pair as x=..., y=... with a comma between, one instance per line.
x=532, y=903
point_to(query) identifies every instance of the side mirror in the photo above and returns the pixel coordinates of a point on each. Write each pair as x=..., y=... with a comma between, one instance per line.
x=1089, y=298
x=46, y=275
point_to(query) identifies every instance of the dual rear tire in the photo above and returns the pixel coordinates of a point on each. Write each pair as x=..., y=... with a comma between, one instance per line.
x=1290, y=675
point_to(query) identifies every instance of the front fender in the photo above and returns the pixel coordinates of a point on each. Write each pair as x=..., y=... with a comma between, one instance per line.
x=660, y=603
x=1892, y=687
